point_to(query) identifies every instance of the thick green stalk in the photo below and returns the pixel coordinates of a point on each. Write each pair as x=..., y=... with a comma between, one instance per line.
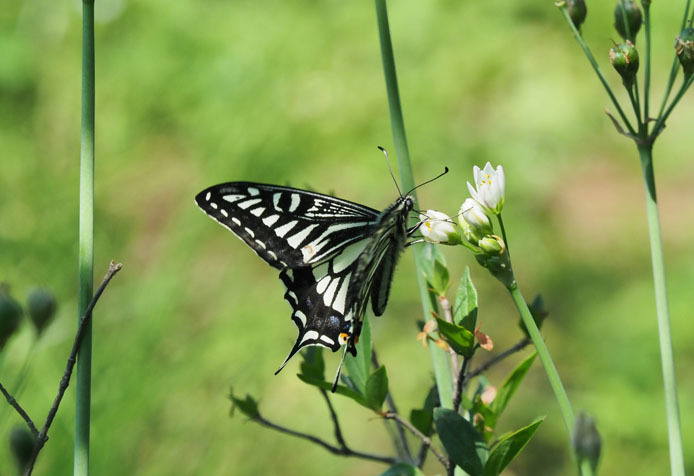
x=86, y=243
x=663, y=315
x=442, y=369
x=542, y=352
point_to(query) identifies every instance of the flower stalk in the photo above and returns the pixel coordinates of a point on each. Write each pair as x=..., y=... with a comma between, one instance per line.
x=442, y=367
x=626, y=19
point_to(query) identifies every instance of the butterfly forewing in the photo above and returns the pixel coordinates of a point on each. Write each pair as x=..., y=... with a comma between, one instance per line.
x=285, y=226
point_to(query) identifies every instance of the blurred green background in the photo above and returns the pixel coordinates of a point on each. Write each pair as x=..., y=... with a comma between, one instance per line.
x=190, y=94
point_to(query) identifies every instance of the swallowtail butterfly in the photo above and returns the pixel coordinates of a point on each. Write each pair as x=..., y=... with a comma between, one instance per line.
x=333, y=255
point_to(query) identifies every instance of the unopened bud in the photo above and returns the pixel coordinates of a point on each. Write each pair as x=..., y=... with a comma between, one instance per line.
x=10, y=313
x=586, y=440
x=628, y=9
x=625, y=60
x=492, y=245
x=577, y=12
x=684, y=46
x=41, y=307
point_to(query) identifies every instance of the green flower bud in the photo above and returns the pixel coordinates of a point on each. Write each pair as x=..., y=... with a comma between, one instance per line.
x=577, y=12
x=41, y=306
x=22, y=445
x=586, y=440
x=633, y=19
x=625, y=60
x=10, y=313
x=684, y=46
x=492, y=245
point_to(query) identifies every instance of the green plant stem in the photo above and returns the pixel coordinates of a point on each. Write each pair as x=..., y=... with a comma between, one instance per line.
x=595, y=66
x=442, y=368
x=585, y=468
x=542, y=352
x=633, y=97
x=503, y=234
x=647, y=69
x=86, y=243
x=666, y=353
x=675, y=64
x=660, y=123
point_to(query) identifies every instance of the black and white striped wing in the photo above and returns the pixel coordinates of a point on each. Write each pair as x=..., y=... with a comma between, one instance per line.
x=322, y=301
x=287, y=227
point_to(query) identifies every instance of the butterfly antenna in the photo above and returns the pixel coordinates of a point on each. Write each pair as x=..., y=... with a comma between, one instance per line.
x=339, y=369
x=445, y=171
x=385, y=152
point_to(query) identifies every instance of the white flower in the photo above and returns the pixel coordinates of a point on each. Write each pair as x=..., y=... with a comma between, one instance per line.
x=472, y=214
x=489, y=188
x=437, y=227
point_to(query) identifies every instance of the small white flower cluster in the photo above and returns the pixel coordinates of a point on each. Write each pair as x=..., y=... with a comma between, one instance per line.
x=477, y=230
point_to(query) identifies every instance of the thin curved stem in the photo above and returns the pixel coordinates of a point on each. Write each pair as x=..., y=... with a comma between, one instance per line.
x=546, y=359
x=660, y=123
x=341, y=450
x=426, y=441
x=595, y=66
x=647, y=69
x=675, y=64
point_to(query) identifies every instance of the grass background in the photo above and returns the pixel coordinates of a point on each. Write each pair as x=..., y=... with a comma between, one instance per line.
x=190, y=94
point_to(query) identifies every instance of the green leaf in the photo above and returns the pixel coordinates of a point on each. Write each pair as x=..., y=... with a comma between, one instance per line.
x=340, y=390
x=423, y=418
x=511, y=384
x=359, y=366
x=539, y=313
x=435, y=269
x=377, y=388
x=465, y=307
x=313, y=365
x=461, y=340
x=402, y=469
x=441, y=277
x=247, y=406
x=508, y=448
x=464, y=445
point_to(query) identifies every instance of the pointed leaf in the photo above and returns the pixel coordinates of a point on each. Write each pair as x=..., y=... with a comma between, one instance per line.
x=377, y=388
x=539, y=313
x=465, y=307
x=247, y=406
x=441, y=278
x=508, y=448
x=402, y=469
x=464, y=445
x=359, y=366
x=423, y=418
x=461, y=340
x=340, y=390
x=509, y=387
x=313, y=365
